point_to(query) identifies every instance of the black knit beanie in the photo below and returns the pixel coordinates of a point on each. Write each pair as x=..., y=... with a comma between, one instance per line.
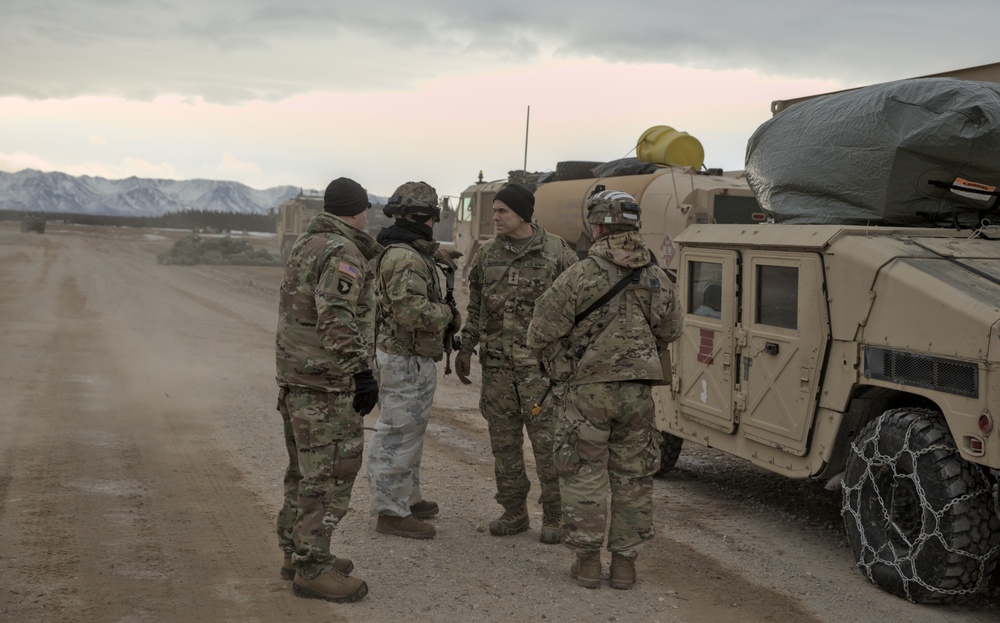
x=345, y=197
x=519, y=199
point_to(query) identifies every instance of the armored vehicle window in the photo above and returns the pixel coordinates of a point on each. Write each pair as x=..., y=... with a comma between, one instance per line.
x=704, y=296
x=464, y=209
x=778, y=296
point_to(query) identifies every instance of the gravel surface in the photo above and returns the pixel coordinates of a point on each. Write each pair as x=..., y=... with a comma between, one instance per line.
x=141, y=460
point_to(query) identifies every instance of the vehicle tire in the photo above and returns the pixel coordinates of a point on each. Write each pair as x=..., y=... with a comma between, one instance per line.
x=670, y=451
x=919, y=517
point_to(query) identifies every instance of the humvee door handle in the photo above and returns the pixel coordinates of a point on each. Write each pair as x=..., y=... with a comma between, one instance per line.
x=770, y=348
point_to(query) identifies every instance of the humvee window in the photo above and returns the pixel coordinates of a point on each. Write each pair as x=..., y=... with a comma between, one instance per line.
x=704, y=296
x=778, y=296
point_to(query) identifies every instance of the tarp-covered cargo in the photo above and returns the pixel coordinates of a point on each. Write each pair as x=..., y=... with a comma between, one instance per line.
x=922, y=151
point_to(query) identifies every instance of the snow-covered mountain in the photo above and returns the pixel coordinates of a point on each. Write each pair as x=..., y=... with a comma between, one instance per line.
x=35, y=191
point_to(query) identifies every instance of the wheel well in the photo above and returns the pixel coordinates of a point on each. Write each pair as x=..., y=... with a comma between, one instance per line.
x=866, y=404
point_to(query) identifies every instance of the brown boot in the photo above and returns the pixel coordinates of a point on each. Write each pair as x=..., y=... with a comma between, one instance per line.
x=343, y=565
x=513, y=520
x=622, y=572
x=424, y=509
x=331, y=586
x=586, y=570
x=551, y=524
x=409, y=527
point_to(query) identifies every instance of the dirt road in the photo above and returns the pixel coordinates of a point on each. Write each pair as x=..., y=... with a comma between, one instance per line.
x=141, y=460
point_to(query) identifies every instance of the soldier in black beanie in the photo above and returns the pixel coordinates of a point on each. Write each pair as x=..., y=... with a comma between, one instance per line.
x=508, y=272
x=345, y=197
x=323, y=357
x=519, y=199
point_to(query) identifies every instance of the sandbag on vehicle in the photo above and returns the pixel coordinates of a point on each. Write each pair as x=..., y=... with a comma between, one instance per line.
x=911, y=152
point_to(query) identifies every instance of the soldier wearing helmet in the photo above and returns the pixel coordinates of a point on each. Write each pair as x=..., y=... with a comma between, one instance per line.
x=411, y=320
x=598, y=331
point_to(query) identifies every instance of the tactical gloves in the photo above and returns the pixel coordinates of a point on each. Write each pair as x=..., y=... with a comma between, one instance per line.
x=447, y=257
x=463, y=365
x=365, y=392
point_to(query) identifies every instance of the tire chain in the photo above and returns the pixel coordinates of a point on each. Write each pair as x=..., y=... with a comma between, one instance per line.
x=881, y=459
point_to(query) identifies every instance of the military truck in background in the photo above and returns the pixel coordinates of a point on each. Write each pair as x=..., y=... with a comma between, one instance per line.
x=33, y=222
x=855, y=336
x=294, y=216
x=667, y=178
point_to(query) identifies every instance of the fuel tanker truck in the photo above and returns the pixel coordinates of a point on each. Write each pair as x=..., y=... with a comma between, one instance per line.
x=667, y=177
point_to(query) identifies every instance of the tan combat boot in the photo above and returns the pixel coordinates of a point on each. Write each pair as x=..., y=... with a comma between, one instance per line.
x=343, y=565
x=331, y=585
x=622, y=572
x=513, y=520
x=551, y=524
x=586, y=570
x=409, y=527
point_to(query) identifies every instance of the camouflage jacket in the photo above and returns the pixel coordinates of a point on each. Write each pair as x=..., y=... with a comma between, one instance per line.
x=325, y=307
x=504, y=283
x=412, y=315
x=619, y=341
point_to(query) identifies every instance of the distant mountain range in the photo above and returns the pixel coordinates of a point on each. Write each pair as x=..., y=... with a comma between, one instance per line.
x=35, y=191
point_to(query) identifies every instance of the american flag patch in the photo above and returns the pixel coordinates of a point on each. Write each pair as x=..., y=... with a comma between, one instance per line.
x=347, y=269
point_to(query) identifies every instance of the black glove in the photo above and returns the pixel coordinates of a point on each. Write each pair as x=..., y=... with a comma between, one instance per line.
x=463, y=365
x=365, y=392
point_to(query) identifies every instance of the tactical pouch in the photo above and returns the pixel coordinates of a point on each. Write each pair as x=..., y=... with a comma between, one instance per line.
x=560, y=364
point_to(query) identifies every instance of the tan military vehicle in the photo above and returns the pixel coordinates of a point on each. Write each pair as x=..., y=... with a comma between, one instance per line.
x=861, y=353
x=667, y=179
x=865, y=352
x=293, y=218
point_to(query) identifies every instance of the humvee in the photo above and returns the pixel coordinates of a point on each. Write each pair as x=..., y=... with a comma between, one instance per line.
x=869, y=355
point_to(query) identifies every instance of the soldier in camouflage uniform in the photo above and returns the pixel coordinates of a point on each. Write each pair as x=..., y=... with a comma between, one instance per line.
x=411, y=320
x=326, y=387
x=508, y=273
x=606, y=361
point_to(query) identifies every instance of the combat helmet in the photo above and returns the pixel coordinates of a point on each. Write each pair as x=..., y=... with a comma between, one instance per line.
x=614, y=208
x=414, y=201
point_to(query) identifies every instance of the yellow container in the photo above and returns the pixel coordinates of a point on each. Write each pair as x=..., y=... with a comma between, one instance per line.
x=661, y=144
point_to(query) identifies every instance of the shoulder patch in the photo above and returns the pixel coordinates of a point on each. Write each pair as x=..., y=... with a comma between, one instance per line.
x=347, y=269
x=344, y=286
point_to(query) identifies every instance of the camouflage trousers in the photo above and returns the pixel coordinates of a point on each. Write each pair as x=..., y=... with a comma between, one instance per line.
x=406, y=391
x=324, y=437
x=507, y=398
x=607, y=443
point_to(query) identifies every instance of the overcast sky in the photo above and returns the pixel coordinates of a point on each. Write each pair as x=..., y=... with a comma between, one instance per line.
x=275, y=92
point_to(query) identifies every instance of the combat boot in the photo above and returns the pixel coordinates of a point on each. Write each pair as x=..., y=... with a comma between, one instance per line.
x=409, y=527
x=424, y=509
x=513, y=520
x=331, y=585
x=551, y=524
x=343, y=565
x=586, y=570
x=622, y=572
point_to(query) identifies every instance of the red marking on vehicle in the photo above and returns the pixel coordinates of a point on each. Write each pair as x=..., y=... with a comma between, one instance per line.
x=707, y=347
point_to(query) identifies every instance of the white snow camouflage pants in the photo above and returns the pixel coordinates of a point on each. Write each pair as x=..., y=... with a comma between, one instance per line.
x=406, y=391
